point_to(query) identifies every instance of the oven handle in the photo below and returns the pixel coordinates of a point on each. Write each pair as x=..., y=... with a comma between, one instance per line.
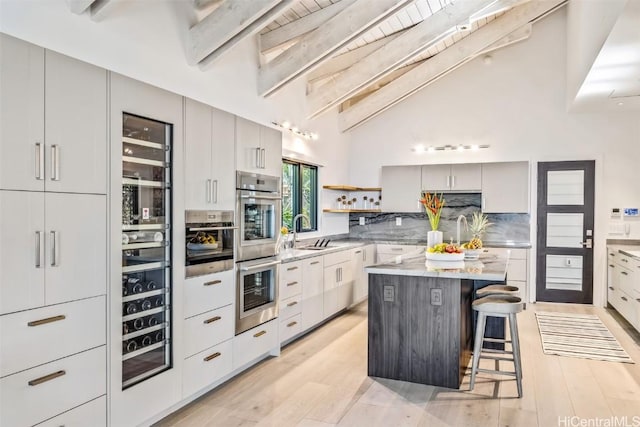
x=246, y=196
x=258, y=266
x=210, y=228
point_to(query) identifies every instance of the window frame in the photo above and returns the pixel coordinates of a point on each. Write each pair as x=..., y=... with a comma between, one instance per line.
x=297, y=196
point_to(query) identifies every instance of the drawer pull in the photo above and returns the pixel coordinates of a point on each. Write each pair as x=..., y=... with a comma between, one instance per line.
x=624, y=260
x=612, y=288
x=46, y=378
x=358, y=252
x=624, y=272
x=213, y=282
x=47, y=320
x=294, y=323
x=612, y=254
x=612, y=266
x=396, y=249
x=213, y=319
x=259, y=334
x=292, y=268
x=624, y=298
x=292, y=283
x=315, y=262
x=212, y=356
x=291, y=304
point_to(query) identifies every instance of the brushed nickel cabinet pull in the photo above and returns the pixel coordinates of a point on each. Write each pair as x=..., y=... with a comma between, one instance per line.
x=213, y=282
x=208, y=190
x=38, y=257
x=211, y=320
x=292, y=283
x=292, y=268
x=46, y=378
x=212, y=356
x=258, y=166
x=292, y=324
x=39, y=161
x=54, y=248
x=291, y=304
x=259, y=334
x=47, y=320
x=55, y=162
x=315, y=262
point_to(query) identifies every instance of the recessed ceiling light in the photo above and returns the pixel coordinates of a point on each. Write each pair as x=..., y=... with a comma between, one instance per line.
x=620, y=104
x=286, y=124
x=475, y=147
x=460, y=147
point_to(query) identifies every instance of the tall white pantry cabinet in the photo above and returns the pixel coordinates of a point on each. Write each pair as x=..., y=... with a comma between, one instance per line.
x=53, y=185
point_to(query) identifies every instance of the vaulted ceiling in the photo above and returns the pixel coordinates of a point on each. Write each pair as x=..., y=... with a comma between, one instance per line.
x=360, y=56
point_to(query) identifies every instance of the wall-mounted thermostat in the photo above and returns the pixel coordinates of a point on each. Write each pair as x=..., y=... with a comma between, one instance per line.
x=615, y=212
x=630, y=211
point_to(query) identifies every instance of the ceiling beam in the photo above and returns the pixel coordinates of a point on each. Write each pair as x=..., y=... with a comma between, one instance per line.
x=392, y=55
x=201, y=4
x=293, y=30
x=517, y=36
x=224, y=23
x=79, y=6
x=320, y=44
x=496, y=7
x=444, y=62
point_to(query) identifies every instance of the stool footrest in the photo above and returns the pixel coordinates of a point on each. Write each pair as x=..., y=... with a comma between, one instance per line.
x=506, y=359
x=494, y=351
x=498, y=340
x=490, y=371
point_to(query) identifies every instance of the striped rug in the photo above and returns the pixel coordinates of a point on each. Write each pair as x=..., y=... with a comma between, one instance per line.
x=579, y=335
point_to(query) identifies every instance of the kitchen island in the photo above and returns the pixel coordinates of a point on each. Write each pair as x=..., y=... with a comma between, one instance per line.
x=420, y=318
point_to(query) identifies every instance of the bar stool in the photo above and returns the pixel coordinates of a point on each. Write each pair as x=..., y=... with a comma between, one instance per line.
x=497, y=289
x=505, y=306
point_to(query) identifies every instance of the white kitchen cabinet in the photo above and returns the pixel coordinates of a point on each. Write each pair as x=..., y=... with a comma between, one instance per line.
x=208, y=329
x=53, y=248
x=290, y=280
x=258, y=148
x=21, y=115
x=205, y=368
x=361, y=258
x=93, y=413
x=401, y=189
x=453, y=177
x=205, y=293
x=209, y=157
x=312, y=292
x=505, y=187
x=48, y=94
x=338, y=282
x=254, y=343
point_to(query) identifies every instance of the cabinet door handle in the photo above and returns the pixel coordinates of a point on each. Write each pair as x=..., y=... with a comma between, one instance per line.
x=294, y=323
x=212, y=356
x=263, y=158
x=448, y=181
x=612, y=254
x=39, y=161
x=211, y=320
x=259, y=334
x=291, y=304
x=396, y=249
x=315, y=262
x=612, y=266
x=624, y=272
x=612, y=288
x=46, y=378
x=453, y=181
x=215, y=191
x=208, y=191
x=337, y=275
x=47, y=320
x=54, y=248
x=358, y=252
x=257, y=157
x=38, y=248
x=55, y=162
x=292, y=268
x=213, y=282
x=624, y=298
x=292, y=283
x=340, y=274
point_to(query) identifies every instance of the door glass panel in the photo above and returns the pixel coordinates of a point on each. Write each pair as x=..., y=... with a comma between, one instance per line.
x=257, y=290
x=564, y=272
x=565, y=187
x=565, y=230
x=259, y=221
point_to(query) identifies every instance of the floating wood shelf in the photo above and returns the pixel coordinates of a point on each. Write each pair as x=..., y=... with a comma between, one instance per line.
x=350, y=188
x=352, y=210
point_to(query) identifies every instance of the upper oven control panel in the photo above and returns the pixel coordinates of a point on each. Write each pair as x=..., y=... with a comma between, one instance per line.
x=208, y=217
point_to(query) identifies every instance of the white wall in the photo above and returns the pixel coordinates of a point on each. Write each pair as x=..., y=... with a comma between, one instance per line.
x=146, y=40
x=517, y=105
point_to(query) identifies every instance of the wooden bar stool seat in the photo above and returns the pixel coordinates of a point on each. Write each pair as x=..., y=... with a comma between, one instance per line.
x=497, y=305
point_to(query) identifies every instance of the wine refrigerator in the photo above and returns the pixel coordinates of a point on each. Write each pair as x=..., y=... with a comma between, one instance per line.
x=146, y=248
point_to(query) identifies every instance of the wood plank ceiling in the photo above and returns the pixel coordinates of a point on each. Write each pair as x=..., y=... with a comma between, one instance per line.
x=360, y=56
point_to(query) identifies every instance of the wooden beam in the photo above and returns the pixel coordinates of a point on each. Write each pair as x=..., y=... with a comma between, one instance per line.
x=497, y=7
x=248, y=31
x=517, y=36
x=392, y=55
x=320, y=44
x=221, y=25
x=296, y=29
x=79, y=6
x=444, y=62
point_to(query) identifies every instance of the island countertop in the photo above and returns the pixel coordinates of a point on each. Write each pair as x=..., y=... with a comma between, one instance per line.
x=487, y=267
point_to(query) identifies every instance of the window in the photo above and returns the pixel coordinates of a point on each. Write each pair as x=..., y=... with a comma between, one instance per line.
x=299, y=195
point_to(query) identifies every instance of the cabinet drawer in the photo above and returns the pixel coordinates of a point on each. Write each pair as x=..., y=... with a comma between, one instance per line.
x=636, y=305
x=206, y=367
x=290, y=306
x=206, y=293
x=34, y=337
x=625, y=306
x=92, y=414
x=291, y=272
x=208, y=329
x=255, y=342
x=625, y=279
x=611, y=295
x=290, y=327
x=42, y=392
x=290, y=287
x=518, y=253
x=337, y=258
x=623, y=260
x=517, y=270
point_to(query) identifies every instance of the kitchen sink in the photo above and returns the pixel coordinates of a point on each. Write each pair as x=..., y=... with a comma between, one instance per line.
x=316, y=248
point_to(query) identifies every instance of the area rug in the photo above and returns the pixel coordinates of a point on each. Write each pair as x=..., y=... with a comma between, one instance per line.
x=579, y=335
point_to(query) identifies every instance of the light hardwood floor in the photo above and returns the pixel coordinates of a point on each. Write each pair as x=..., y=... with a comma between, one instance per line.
x=321, y=380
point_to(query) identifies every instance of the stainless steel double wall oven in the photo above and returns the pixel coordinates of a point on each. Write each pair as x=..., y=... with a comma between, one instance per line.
x=258, y=215
x=210, y=239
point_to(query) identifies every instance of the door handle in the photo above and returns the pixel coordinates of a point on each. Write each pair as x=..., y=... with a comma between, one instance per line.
x=38, y=251
x=208, y=191
x=453, y=181
x=54, y=248
x=588, y=243
x=39, y=161
x=215, y=191
x=448, y=181
x=263, y=157
x=55, y=162
x=258, y=157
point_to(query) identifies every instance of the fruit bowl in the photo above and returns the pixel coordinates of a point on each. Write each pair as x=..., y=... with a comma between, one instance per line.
x=438, y=256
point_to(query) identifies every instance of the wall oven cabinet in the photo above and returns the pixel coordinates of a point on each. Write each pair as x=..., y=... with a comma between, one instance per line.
x=146, y=248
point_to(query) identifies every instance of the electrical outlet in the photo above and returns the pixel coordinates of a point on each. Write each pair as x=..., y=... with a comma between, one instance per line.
x=389, y=293
x=361, y=220
x=399, y=220
x=436, y=296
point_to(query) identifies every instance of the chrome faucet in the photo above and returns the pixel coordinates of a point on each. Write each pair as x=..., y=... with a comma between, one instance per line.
x=458, y=228
x=295, y=233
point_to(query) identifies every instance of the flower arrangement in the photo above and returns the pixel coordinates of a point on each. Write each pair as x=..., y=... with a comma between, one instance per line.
x=433, y=206
x=284, y=230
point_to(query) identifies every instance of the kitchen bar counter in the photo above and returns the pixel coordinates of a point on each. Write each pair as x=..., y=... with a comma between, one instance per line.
x=420, y=325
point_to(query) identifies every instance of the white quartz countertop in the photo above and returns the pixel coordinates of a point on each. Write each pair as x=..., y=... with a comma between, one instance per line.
x=290, y=255
x=630, y=250
x=487, y=267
